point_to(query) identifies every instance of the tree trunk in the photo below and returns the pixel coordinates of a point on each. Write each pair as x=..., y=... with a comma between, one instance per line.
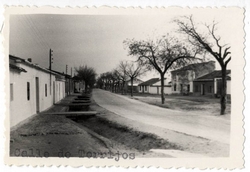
x=86, y=87
x=132, y=87
x=223, y=96
x=162, y=89
x=123, y=87
x=112, y=87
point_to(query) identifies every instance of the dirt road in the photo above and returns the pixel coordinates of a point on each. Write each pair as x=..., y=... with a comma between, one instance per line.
x=213, y=128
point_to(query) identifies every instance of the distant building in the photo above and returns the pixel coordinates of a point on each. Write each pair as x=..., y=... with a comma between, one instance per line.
x=135, y=88
x=32, y=89
x=78, y=85
x=153, y=86
x=69, y=82
x=210, y=84
x=182, y=79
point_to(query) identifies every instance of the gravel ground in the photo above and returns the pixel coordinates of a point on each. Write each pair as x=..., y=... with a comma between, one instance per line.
x=57, y=136
x=195, y=132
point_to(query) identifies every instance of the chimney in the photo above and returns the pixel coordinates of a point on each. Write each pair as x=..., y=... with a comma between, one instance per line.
x=30, y=60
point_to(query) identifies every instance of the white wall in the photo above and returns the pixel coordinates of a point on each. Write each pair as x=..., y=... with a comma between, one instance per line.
x=167, y=90
x=60, y=90
x=153, y=90
x=20, y=107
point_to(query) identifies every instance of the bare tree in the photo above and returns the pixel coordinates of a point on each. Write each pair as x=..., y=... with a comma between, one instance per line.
x=100, y=82
x=88, y=75
x=161, y=55
x=132, y=70
x=210, y=42
x=122, y=74
x=114, y=79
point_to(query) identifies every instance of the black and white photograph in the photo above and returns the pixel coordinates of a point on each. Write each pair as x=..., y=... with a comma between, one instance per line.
x=158, y=84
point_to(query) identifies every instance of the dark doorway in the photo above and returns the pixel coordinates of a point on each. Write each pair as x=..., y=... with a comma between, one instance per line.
x=203, y=89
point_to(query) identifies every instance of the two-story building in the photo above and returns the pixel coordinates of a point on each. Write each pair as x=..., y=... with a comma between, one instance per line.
x=182, y=79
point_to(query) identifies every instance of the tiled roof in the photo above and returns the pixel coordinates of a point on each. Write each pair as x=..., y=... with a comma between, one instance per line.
x=135, y=80
x=17, y=68
x=66, y=75
x=212, y=75
x=32, y=65
x=192, y=66
x=150, y=81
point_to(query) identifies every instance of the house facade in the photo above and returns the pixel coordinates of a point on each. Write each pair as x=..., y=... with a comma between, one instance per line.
x=182, y=79
x=32, y=89
x=210, y=84
x=153, y=86
x=135, y=88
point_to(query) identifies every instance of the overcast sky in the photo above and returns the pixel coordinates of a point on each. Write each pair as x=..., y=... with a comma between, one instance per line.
x=97, y=40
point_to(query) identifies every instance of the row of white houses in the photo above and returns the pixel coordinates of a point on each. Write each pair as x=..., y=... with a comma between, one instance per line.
x=194, y=79
x=32, y=89
x=153, y=86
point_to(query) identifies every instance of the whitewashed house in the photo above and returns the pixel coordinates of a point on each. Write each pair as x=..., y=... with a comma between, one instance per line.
x=182, y=79
x=153, y=86
x=210, y=84
x=32, y=89
x=136, y=83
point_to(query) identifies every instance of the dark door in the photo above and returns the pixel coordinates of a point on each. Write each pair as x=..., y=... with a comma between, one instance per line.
x=203, y=89
x=37, y=96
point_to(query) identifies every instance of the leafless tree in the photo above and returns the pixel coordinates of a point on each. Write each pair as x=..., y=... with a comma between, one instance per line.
x=211, y=43
x=161, y=55
x=132, y=70
x=122, y=74
x=88, y=75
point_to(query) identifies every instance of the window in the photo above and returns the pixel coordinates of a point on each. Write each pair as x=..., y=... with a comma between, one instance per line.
x=28, y=91
x=174, y=87
x=140, y=87
x=45, y=90
x=11, y=92
x=188, y=88
x=145, y=88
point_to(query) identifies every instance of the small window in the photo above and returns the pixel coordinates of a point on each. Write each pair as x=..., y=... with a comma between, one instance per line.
x=11, y=92
x=140, y=87
x=28, y=91
x=45, y=90
x=146, y=88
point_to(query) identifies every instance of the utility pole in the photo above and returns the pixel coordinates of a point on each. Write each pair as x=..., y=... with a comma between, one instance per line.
x=50, y=65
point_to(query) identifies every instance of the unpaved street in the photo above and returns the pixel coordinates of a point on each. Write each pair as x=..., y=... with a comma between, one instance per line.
x=213, y=128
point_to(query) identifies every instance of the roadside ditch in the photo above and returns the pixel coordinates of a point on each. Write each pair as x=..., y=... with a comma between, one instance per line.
x=116, y=133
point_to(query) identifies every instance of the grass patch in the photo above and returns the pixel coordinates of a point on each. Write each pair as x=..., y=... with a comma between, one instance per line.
x=44, y=124
x=127, y=136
